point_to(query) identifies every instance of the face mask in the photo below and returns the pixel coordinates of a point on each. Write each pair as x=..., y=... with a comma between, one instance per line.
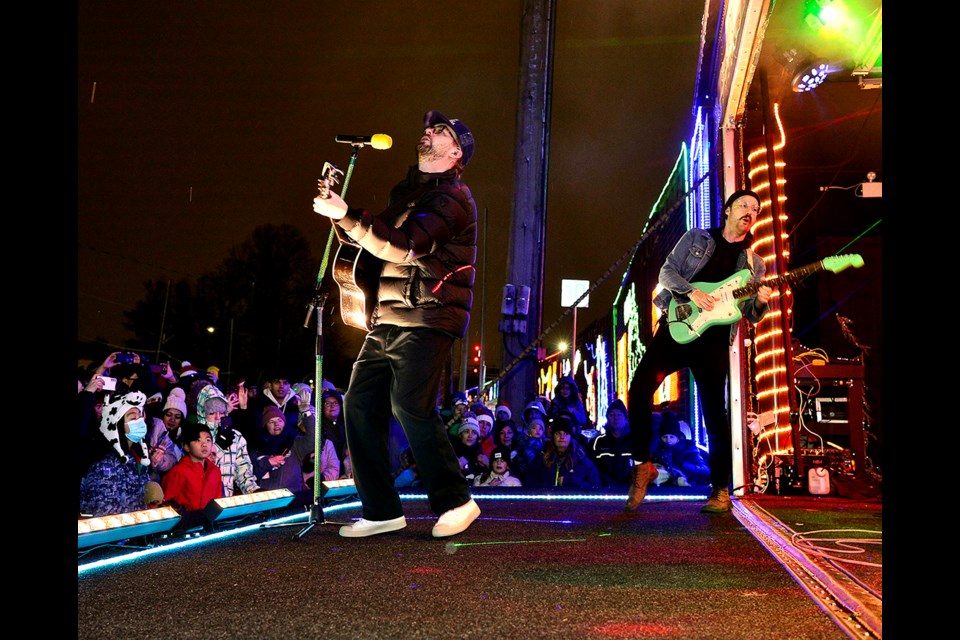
x=138, y=429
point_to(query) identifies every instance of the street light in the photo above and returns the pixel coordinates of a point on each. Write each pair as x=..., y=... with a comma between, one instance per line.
x=573, y=293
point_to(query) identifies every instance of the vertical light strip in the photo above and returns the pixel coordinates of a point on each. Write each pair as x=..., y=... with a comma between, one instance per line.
x=770, y=366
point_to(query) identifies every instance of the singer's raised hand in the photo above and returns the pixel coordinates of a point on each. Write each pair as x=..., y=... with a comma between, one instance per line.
x=332, y=206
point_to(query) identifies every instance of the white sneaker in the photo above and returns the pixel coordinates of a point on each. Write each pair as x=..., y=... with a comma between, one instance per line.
x=363, y=528
x=456, y=520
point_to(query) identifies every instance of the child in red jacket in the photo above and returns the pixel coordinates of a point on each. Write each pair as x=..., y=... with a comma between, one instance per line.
x=195, y=479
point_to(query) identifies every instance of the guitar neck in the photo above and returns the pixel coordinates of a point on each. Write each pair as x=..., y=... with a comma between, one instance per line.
x=791, y=276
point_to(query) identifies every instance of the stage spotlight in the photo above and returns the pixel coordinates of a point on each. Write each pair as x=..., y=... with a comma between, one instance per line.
x=810, y=76
x=247, y=503
x=107, y=529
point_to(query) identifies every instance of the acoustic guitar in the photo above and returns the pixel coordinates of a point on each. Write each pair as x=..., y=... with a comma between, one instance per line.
x=356, y=271
x=687, y=321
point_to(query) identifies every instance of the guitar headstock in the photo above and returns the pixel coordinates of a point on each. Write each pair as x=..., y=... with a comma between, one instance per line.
x=329, y=177
x=841, y=262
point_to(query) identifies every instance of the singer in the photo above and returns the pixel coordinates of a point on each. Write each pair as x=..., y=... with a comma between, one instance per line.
x=426, y=239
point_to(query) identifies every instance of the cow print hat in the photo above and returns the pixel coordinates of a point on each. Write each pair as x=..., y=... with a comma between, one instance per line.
x=111, y=420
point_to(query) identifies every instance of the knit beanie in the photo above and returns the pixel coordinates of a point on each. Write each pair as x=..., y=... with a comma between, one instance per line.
x=739, y=194
x=500, y=453
x=670, y=424
x=469, y=424
x=618, y=405
x=215, y=405
x=177, y=400
x=271, y=412
x=536, y=422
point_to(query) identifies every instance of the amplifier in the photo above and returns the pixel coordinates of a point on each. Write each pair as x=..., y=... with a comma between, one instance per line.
x=836, y=460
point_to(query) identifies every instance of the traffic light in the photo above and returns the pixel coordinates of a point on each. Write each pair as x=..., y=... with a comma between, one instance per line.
x=476, y=358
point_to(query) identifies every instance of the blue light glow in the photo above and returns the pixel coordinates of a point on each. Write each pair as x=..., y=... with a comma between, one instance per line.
x=507, y=495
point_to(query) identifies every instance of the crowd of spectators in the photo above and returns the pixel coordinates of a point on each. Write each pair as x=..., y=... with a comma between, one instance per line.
x=152, y=436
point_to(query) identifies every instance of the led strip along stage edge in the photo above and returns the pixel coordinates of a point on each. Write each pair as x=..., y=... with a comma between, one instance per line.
x=860, y=615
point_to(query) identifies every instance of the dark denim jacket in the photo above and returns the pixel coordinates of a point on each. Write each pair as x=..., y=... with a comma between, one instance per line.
x=687, y=259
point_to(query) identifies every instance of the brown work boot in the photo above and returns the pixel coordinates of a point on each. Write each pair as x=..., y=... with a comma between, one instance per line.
x=640, y=476
x=718, y=502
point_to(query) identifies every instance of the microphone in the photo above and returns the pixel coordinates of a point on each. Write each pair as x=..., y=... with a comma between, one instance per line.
x=377, y=140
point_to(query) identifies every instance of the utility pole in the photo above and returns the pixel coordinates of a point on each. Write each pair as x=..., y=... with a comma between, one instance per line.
x=525, y=253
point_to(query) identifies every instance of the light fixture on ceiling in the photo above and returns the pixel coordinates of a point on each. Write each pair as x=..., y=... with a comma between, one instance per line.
x=818, y=13
x=811, y=75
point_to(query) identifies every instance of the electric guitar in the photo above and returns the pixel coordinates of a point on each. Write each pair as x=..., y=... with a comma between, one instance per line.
x=687, y=321
x=356, y=272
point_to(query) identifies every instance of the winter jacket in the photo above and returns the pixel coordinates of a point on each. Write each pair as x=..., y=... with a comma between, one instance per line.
x=426, y=239
x=573, y=406
x=230, y=449
x=192, y=484
x=577, y=469
x=613, y=457
x=684, y=457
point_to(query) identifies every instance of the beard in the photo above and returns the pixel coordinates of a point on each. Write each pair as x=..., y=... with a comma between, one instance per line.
x=426, y=152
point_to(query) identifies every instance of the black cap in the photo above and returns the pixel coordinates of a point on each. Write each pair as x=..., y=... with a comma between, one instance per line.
x=460, y=131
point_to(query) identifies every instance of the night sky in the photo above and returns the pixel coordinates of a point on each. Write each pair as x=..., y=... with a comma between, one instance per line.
x=198, y=121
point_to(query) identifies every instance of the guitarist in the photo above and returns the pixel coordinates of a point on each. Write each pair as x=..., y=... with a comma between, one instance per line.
x=427, y=242
x=704, y=255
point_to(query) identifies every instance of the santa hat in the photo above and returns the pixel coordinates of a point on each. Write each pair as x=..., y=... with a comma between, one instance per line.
x=177, y=400
x=485, y=417
x=187, y=369
x=503, y=406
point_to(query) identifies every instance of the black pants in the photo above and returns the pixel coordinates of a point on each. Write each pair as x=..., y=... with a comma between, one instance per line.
x=398, y=373
x=707, y=358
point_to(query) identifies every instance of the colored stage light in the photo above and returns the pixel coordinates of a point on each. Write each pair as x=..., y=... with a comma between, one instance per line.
x=247, y=503
x=811, y=76
x=122, y=526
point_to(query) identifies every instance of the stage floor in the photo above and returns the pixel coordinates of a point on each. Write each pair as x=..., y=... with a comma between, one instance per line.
x=559, y=565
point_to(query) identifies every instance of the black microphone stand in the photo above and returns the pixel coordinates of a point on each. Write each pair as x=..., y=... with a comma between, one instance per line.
x=317, y=304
